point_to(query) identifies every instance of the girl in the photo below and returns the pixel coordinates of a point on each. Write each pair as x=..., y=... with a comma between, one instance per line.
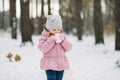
x=54, y=44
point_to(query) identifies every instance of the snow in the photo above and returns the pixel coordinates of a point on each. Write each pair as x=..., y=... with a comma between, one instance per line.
x=87, y=61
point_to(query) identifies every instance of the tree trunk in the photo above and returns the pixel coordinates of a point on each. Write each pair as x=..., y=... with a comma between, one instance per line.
x=42, y=7
x=70, y=19
x=78, y=19
x=42, y=18
x=26, y=28
x=49, y=8
x=3, y=16
x=117, y=18
x=98, y=24
x=87, y=18
x=67, y=12
x=60, y=8
x=37, y=8
x=13, y=19
x=0, y=21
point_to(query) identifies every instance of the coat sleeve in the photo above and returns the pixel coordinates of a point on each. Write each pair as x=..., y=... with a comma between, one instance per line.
x=66, y=45
x=46, y=44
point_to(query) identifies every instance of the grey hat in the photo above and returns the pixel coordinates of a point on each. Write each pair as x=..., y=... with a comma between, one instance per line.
x=54, y=22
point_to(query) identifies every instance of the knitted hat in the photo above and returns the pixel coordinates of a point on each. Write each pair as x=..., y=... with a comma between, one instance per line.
x=54, y=22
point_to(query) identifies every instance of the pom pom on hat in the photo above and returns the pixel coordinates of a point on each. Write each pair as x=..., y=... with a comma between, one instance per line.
x=54, y=22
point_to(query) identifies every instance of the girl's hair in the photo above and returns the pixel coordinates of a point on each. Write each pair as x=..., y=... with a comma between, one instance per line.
x=46, y=29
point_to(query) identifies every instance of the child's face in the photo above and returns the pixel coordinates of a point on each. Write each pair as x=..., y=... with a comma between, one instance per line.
x=54, y=31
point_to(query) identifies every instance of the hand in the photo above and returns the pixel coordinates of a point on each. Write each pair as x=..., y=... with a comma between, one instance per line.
x=59, y=37
x=62, y=36
x=58, y=40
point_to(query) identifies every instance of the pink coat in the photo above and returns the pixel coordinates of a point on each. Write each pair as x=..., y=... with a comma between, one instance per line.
x=54, y=56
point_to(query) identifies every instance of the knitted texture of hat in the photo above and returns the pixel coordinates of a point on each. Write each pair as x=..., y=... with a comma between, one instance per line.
x=54, y=22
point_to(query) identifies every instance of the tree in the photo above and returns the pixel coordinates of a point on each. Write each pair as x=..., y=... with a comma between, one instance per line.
x=49, y=8
x=109, y=11
x=37, y=8
x=98, y=24
x=88, y=19
x=3, y=16
x=42, y=8
x=0, y=19
x=67, y=10
x=42, y=18
x=108, y=17
x=26, y=28
x=13, y=19
x=60, y=8
x=117, y=19
x=78, y=19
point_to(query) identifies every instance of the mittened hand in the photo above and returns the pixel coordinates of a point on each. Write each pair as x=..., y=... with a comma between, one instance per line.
x=59, y=37
x=62, y=36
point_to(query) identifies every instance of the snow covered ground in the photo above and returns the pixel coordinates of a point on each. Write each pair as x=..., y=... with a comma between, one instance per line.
x=87, y=61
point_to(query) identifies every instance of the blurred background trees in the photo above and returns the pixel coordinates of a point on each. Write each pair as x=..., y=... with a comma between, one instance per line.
x=25, y=27
x=13, y=19
x=117, y=20
x=98, y=22
x=80, y=17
